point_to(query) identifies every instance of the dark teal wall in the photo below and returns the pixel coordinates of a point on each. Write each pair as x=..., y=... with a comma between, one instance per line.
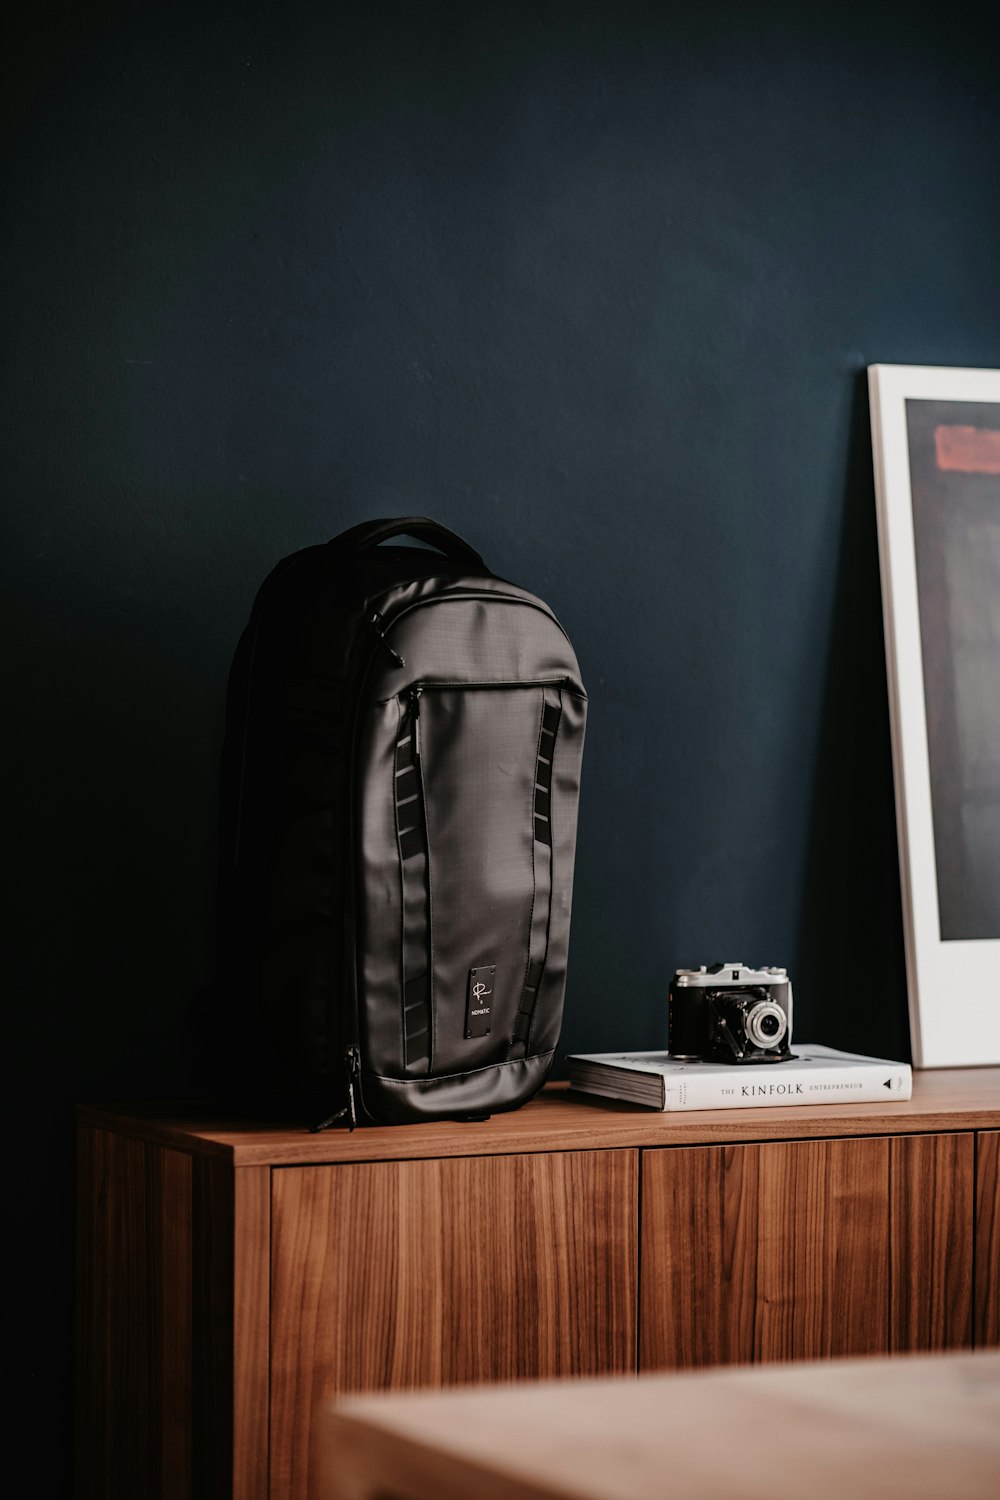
x=595, y=285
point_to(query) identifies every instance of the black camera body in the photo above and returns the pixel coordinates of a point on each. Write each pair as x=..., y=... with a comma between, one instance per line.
x=729, y=1013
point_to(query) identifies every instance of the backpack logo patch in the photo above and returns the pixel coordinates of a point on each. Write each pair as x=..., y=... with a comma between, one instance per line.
x=479, y=1002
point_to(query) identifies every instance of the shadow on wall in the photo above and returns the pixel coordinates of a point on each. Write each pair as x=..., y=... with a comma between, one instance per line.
x=850, y=968
x=116, y=850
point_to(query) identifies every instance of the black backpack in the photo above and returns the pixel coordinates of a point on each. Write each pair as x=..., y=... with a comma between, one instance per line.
x=399, y=788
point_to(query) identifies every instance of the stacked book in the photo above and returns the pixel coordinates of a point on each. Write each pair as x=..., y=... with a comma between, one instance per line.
x=812, y=1075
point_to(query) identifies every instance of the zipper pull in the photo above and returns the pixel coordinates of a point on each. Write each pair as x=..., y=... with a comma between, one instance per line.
x=415, y=720
x=378, y=625
x=353, y=1060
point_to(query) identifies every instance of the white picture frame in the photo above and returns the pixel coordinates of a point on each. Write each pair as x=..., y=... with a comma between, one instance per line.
x=936, y=446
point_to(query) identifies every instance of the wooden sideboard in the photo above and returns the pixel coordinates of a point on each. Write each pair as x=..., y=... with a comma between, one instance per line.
x=232, y=1277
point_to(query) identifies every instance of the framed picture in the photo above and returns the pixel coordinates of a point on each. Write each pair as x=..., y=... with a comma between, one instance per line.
x=936, y=441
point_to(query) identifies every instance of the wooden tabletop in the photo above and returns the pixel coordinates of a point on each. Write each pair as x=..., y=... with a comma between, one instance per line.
x=908, y=1427
x=559, y=1120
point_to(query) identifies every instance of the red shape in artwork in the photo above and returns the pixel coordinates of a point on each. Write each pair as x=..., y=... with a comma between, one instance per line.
x=970, y=450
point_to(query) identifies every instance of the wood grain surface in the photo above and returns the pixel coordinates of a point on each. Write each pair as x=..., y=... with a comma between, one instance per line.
x=251, y=1331
x=931, y=1246
x=231, y=1315
x=394, y=1275
x=987, y=1329
x=900, y=1428
x=134, y=1393
x=764, y=1252
x=560, y=1120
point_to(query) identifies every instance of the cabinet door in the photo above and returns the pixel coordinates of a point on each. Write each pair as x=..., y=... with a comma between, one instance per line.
x=931, y=1242
x=987, y=1327
x=388, y=1275
x=764, y=1252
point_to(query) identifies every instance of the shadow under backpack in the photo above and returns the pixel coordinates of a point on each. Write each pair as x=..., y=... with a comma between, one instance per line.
x=398, y=806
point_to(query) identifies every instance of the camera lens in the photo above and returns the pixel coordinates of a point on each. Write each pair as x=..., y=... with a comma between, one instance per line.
x=766, y=1024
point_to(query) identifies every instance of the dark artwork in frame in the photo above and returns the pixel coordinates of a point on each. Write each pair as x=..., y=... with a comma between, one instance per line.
x=954, y=456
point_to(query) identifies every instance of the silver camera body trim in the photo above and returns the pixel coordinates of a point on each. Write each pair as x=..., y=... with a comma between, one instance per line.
x=734, y=976
x=729, y=974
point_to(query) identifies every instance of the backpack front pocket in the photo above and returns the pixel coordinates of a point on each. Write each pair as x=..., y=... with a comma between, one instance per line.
x=475, y=777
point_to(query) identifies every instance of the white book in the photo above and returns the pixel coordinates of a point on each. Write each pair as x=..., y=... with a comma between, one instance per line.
x=812, y=1075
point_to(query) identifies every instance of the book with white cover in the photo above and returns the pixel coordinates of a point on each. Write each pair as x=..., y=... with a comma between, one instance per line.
x=812, y=1075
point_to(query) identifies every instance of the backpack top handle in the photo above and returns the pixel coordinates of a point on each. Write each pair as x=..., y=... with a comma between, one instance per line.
x=420, y=528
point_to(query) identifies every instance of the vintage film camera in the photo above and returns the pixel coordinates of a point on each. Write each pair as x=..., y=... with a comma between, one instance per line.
x=729, y=1013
